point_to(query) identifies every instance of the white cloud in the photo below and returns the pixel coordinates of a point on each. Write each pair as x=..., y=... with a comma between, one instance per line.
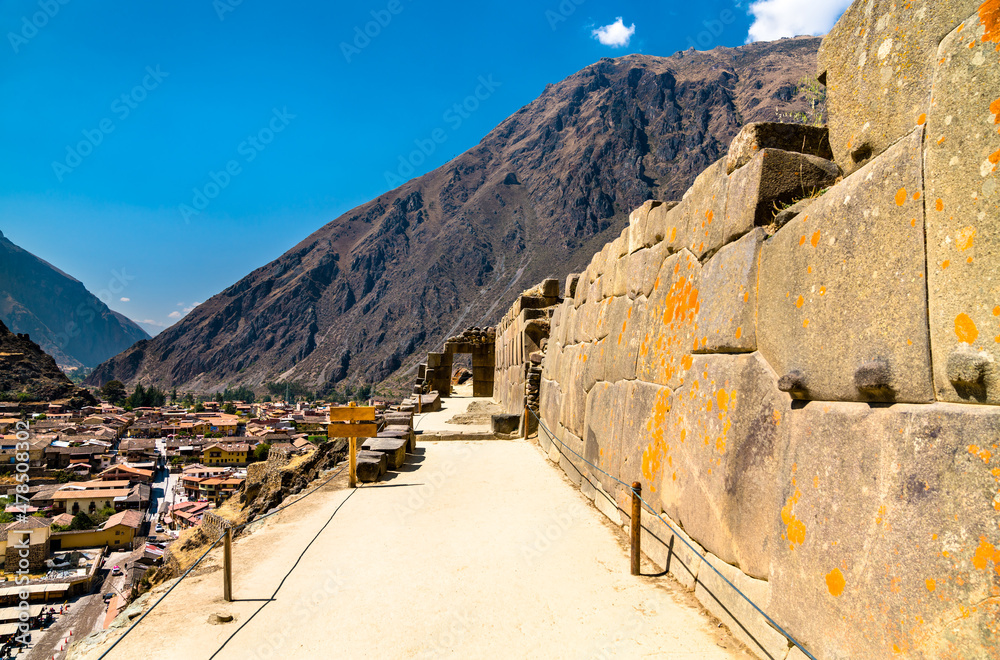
x=126, y=300
x=153, y=323
x=174, y=315
x=615, y=35
x=774, y=19
x=193, y=305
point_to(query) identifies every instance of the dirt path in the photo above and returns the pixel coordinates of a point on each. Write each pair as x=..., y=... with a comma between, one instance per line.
x=477, y=550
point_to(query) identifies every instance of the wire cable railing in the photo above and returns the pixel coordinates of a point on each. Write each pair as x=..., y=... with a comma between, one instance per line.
x=212, y=547
x=649, y=507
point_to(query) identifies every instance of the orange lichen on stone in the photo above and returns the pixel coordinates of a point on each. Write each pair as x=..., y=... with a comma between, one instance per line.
x=931, y=584
x=939, y=204
x=995, y=157
x=802, y=241
x=739, y=332
x=805, y=324
x=652, y=456
x=901, y=197
x=815, y=239
x=989, y=18
x=986, y=553
x=801, y=301
x=795, y=528
x=966, y=237
x=922, y=119
x=945, y=264
x=965, y=329
x=835, y=582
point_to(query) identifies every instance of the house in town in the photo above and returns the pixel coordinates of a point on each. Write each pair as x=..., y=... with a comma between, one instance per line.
x=229, y=454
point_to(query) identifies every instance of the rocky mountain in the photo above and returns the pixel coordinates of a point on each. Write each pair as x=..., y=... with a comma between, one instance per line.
x=68, y=322
x=363, y=296
x=28, y=374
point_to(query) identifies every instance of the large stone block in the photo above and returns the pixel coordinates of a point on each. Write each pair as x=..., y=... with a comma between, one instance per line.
x=890, y=533
x=727, y=320
x=574, y=396
x=636, y=230
x=667, y=224
x=644, y=435
x=757, y=136
x=550, y=401
x=664, y=542
x=622, y=344
x=603, y=434
x=592, y=369
x=720, y=448
x=705, y=209
x=773, y=177
x=668, y=335
x=962, y=153
x=642, y=267
x=746, y=623
x=878, y=64
x=842, y=300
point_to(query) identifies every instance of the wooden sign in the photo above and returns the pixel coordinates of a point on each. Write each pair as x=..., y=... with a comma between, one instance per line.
x=348, y=430
x=352, y=414
x=352, y=422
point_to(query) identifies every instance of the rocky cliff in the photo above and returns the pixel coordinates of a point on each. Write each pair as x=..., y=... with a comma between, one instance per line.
x=28, y=374
x=70, y=323
x=452, y=248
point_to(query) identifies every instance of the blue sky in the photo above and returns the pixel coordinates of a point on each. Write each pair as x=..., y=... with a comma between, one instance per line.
x=180, y=145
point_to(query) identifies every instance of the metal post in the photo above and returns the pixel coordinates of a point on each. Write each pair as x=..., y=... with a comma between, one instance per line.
x=353, y=479
x=636, y=525
x=227, y=571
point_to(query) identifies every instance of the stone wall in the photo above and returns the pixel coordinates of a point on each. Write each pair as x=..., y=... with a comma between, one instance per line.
x=523, y=330
x=809, y=396
x=37, y=554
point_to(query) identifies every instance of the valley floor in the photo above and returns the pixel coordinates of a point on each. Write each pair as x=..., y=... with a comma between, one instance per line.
x=474, y=550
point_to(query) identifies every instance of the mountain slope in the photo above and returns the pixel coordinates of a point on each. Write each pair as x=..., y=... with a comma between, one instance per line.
x=28, y=374
x=57, y=311
x=364, y=295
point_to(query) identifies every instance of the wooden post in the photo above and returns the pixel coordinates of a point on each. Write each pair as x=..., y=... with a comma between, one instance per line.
x=526, y=413
x=420, y=403
x=227, y=571
x=636, y=525
x=353, y=478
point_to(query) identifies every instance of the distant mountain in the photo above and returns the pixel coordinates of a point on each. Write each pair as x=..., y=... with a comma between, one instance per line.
x=68, y=322
x=363, y=296
x=28, y=374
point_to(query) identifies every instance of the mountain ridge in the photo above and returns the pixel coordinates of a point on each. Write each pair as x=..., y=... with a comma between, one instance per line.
x=58, y=312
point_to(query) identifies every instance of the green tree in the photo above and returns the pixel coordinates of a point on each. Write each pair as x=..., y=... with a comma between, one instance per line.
x=189, y=400
x=199, y=407
x=173, y=395
x=229, y=409
x=81, y=521
x=114, y=391
x=261, y=452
